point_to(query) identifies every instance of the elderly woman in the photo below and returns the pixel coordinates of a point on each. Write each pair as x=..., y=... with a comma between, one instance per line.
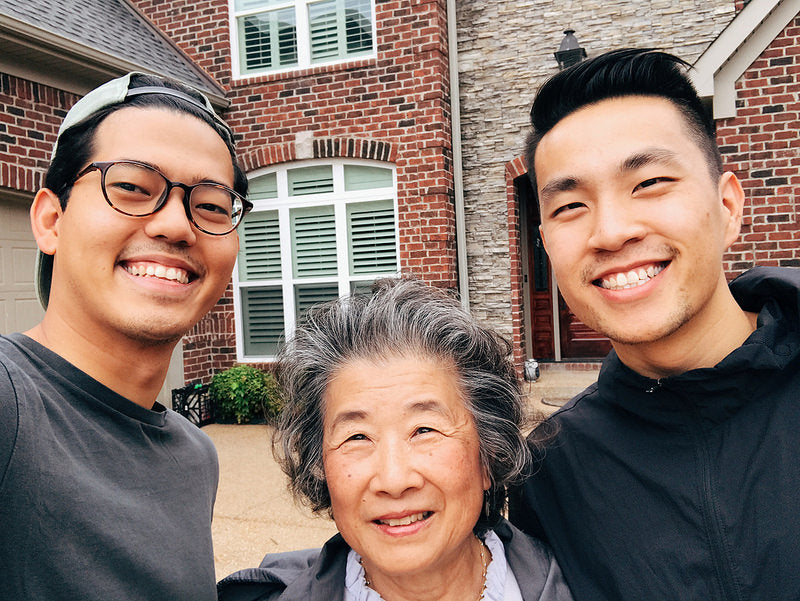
x=402, y=419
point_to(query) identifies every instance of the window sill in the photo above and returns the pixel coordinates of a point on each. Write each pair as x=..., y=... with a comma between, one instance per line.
x=249, y=80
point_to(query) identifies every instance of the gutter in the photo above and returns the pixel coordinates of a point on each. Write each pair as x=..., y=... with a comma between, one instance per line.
x=458, y=175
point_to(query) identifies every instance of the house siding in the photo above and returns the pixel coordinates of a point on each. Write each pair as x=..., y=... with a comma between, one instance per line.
x=30, y=115
x=394, y=107
x=505, y=51
x=761, y=145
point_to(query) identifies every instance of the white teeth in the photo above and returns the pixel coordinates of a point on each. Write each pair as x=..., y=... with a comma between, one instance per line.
x=405, y=521
x=632, y=278
x=159, y=271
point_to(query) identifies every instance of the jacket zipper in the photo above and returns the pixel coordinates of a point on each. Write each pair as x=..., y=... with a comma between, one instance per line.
x=720, y=555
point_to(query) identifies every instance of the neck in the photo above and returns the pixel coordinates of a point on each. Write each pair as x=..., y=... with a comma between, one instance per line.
x=461, y=579
x=130, y=368
x=705, y=340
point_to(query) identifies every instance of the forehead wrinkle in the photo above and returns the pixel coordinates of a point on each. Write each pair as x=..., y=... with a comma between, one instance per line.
x=346, y=417
x=357, y=415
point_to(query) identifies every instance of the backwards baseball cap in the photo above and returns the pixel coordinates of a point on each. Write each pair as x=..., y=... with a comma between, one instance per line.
x=116, y=91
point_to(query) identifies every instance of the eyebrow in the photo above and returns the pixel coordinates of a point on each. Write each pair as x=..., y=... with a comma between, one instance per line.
x=562, y=184
x=648, y=156
x=356, y=415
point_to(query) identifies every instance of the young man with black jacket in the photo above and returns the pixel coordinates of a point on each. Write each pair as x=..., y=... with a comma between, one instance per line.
x=675, y=476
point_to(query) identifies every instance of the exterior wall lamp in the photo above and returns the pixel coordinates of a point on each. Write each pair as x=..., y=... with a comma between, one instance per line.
x=569, y=51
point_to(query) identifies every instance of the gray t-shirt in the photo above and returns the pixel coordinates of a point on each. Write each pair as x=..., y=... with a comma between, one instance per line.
x=99, y=497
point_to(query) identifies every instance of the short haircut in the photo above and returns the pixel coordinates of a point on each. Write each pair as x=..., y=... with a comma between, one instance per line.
x=76, y=144
x=618, y=73
x=402, y=318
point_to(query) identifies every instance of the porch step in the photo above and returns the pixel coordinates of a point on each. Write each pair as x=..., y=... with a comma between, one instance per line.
x=558, y=383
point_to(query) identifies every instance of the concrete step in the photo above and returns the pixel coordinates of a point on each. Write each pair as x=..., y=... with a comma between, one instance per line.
x=558, y=383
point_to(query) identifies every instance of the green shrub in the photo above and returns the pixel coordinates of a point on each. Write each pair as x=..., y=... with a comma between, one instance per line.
x=243, y=394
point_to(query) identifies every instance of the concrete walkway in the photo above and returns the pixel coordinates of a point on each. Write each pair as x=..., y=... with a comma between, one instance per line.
x=254, y=512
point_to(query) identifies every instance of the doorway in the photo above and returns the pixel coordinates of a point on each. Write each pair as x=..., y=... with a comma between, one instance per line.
x=553, y=331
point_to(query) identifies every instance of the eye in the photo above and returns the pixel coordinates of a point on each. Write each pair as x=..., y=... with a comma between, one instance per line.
x=424, y=430
x=571, y=206
x=128, y=188
x=356, y=437
x=651, y=182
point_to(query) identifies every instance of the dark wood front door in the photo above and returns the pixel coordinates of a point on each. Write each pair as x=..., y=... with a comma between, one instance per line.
x=576, y=339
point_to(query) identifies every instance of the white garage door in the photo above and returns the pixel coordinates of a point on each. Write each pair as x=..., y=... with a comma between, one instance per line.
x=19, y=307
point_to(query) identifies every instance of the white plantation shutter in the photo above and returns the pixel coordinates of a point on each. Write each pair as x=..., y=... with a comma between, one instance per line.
x=339, y=28
x=267, y=40
x=371, y=232
x=260, y=247
x=358, y=26
x=364, y=177
x=316, y=231
x=263, y=187
x=310, y=180
x=262, y=319
x=314, y=242
x=308, y=296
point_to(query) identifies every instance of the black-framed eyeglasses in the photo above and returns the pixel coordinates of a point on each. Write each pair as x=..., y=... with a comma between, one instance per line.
x=138, y=190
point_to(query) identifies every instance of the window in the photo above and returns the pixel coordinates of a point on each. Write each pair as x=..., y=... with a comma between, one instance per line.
x=316, y=232
x=274, y=35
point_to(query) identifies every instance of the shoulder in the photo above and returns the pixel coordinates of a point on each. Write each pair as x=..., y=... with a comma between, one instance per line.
x=12, y=387
x=533, y=564
x=291, y=576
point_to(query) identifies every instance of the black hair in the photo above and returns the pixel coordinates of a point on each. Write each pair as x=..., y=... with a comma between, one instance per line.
x=624, y=72
x=76, y=144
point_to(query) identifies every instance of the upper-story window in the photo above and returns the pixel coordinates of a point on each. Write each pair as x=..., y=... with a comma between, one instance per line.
x=275, y=35
x=317, y=231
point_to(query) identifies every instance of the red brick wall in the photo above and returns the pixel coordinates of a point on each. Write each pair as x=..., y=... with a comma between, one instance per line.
x=515, y=169
x=762, y=146
x=398, y=100
x=30, y=115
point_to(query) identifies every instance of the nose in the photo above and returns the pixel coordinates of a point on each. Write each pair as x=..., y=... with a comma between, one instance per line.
x=615, y=224
x=395, y=469
x=170, y=222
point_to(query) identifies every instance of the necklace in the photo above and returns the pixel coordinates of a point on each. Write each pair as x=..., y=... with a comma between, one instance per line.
x=484, y=569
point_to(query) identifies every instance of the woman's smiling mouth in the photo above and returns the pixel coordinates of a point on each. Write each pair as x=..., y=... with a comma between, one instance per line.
x=406, y=520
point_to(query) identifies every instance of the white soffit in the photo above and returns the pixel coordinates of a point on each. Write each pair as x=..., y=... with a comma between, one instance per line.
x=744, y=39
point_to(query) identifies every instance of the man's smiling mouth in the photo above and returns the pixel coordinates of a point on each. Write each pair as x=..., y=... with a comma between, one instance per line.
x=157, y=271
x=630, y=279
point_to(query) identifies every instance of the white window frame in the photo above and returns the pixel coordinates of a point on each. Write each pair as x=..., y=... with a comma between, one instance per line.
x=303, y=39
x=340, y=200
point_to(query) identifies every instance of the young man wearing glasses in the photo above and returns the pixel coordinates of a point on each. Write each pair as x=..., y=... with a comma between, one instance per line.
x=105, y=494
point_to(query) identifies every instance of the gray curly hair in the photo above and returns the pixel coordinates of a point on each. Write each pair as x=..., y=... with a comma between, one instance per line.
x=402, y=317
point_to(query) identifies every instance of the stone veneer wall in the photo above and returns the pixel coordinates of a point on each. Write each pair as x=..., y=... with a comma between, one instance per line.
x=505, y=52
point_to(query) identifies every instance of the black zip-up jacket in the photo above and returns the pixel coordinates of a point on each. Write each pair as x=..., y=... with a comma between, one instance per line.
x=687, y=487
x=318, y=574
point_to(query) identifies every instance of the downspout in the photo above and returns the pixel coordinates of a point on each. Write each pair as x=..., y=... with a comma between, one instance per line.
x=458, y=177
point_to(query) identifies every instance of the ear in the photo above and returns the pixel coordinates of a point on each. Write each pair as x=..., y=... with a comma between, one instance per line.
x=541, y=235
x=732, y=198
x=45, y=215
